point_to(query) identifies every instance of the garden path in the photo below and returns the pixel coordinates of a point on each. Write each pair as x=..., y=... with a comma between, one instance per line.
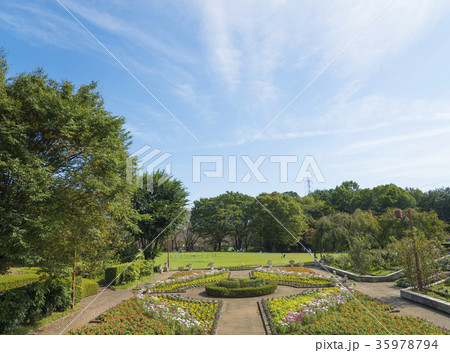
x=93, y=306
x=389, y=293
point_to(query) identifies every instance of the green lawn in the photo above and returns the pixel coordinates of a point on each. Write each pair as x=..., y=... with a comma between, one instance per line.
x=201, y=259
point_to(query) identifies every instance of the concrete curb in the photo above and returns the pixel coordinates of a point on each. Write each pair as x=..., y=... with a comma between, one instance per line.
x=373, y=279
x=423, y=299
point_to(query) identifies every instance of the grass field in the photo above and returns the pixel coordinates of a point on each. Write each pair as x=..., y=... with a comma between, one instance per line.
x=202, y=259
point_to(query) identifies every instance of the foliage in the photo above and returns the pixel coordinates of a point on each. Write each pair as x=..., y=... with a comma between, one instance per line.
x=27, y=304
x=11, y=282
x=241, y=282
x=359, y=255
x=403, y=283
x=339, y=230
x=62, y=186
x=244, y=288
x=128, y=272
x=88, y=287
x=161, y=205
x=426, y=222
x=437, y=200
x=278, y=221
x=428, y=251
x=227, y=215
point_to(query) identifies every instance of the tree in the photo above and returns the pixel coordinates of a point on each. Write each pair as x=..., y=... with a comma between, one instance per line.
x=63, y=189
x=337, y=231
x=358, y=252
x=239, y=211
x=418, y=256
x=439, y=201
x=161, y=211
x=425, y=222
x=341, y=196
x=209, y=219
x=392, y=196
x=278, y=221
x=313, y=209
x=332, y=233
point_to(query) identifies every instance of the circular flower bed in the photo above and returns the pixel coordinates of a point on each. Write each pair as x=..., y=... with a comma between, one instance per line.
x=241, y=287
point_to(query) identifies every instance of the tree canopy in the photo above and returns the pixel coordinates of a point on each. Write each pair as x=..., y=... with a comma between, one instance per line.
x=62, y=182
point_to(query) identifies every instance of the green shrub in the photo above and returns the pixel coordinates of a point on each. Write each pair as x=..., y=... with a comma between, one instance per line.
x=88, y=287
x=59, y=296
x=213, y=289
x=252, y=282
x=146, y=267
x=11, y=282
x=229, y=283
x=131, y=272
x=114, y=275
x=14, y=306
x=403, y=283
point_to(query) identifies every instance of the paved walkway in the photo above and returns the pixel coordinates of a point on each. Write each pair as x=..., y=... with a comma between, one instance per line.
x=389, y=293
x=93, y=306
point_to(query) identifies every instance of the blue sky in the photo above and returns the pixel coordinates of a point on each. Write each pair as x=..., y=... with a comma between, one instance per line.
x=378, y=114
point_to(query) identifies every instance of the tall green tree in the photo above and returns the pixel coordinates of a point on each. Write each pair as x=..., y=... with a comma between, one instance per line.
x=274, y=213
x=210, y=219
x=426, y=222
x=161, y=204
x=62, y=173
x=439, y=201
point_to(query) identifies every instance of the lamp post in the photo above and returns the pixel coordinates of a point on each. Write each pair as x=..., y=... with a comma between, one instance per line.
x=398, y=214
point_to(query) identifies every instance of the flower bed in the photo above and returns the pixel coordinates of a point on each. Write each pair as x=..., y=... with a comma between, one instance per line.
x=190, y=281
x=181, y=274
x=293, y=278
x=339, y=312
x=157, y=315
x=296, y=269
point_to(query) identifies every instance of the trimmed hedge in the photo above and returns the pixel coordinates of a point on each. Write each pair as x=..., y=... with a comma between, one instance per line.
x=214, y=290
x=88, y=287
x=125, y=273
x=11, y=282
x=27, y=304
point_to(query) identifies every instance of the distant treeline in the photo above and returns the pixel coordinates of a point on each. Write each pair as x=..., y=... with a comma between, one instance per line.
x=325, y=220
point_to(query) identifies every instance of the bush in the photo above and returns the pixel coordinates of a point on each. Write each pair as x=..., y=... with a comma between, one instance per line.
x=88, y=287
x=229, y=283
x=213, y=289
x=146, y=268
x=403, y=283
x=14, y=306
x=59, y=296
x=11, y=282
x=131, y=272
x=114, y=275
